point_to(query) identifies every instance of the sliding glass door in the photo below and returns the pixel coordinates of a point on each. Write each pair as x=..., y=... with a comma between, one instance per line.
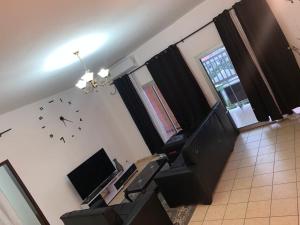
x=223, y=76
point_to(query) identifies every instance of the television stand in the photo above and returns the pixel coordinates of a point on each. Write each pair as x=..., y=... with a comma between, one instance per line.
x=108, y=192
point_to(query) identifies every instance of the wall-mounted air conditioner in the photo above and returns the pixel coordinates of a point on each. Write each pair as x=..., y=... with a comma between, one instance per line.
x=122, y=67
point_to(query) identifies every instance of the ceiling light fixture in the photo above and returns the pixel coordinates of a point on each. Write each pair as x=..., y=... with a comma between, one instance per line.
x=88, y=82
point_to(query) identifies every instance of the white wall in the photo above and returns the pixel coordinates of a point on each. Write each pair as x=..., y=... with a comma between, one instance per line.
x=208, y=38
x=43, y=163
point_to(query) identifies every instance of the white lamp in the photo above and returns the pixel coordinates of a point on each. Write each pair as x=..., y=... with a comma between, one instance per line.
x=81, y=84
x=104, y=73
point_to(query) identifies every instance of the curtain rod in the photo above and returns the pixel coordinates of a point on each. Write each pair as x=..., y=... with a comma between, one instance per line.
x=178, y=42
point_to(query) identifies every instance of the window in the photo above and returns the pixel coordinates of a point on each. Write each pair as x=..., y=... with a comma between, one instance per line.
x=166, y=118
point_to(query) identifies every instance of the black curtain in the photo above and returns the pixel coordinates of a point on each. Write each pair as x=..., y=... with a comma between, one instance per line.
x=139, y=114
x=258, y=94
x=179, y=87
x=272, y=51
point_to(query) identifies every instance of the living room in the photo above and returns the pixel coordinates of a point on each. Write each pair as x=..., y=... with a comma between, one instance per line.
x=43, y=151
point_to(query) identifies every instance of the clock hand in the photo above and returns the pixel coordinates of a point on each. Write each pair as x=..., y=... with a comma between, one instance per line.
x=4, y=132
x=62, y=119
x=68, y=120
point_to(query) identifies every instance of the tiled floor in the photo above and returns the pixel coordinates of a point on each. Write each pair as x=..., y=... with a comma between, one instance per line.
x=261, y=182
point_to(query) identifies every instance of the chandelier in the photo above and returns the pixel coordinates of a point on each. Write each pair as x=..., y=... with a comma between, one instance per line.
x=88, y=81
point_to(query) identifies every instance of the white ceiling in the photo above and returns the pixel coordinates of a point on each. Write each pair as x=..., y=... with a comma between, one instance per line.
x=32, y=29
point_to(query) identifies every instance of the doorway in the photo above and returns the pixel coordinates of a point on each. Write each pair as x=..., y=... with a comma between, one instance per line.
x=16, y=204
x=223, y=76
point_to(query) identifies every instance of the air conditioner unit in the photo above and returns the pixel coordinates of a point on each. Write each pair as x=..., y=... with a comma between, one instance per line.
x=123, y=67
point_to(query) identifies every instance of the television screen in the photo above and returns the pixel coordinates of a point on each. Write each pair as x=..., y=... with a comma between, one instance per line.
x=90, y=174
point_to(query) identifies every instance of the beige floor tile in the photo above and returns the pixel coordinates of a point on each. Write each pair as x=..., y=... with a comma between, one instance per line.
x=255, y=138
x=263, y=180
x=287, y=176
x=283, y=155
x=285, y=146
x=221, y=198
x=233, y=222
x=298, y=162
x=199, y=213
x=267, y=142
x=282, y=165
x=268, y=133
x=261, y=193
x=224, y=186
x=266, y=150
x=232, y=165
x=247, y=162
x=287, y=220
x=267, y=158
x=236, y=211
x=284, y=207
x=215, y=212
x=298, y=174
x=196, y=223
x=264, y=168
x=281, y=191
x=258, y=209
x=252, y=145
x=287, y=138
x=257, y=221
x=228, y=175
x=242, y=183
x=238, y=196
x=245, y=172
x=216, y=222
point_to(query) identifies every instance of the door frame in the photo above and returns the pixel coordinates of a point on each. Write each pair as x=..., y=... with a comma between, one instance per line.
x=37, y=211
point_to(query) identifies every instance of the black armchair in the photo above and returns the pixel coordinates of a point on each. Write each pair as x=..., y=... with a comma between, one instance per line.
x=146, y=210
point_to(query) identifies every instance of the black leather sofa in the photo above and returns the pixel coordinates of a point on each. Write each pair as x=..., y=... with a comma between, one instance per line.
x=193, y=176
x=146, y=210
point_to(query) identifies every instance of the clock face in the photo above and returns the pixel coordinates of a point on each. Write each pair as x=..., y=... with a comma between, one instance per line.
x=60, y=120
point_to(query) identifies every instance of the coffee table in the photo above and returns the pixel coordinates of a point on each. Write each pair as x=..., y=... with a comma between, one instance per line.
x=141, y=182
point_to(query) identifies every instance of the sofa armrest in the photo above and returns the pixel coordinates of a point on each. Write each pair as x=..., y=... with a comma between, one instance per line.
x=105, y=216
x=180, y=186
x=148, y=211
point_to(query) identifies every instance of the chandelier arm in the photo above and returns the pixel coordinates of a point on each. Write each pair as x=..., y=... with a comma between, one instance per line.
x=81, y=60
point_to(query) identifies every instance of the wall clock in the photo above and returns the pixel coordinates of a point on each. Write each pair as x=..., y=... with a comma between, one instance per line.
x=60, y=120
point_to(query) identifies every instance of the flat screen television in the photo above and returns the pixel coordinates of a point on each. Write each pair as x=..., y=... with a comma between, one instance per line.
x=92, y=173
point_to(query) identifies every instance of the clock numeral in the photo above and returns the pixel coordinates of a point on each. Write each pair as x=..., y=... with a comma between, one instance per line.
x=80, y=120
x=43, y=127
x=51, y=136
x=41, y=108
x=79, y=128
x=63, y=139
x=77, y=111
x=41, y=118
x=60, y=100
x=69, y=102
x=4, y=132
x=51, y=101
